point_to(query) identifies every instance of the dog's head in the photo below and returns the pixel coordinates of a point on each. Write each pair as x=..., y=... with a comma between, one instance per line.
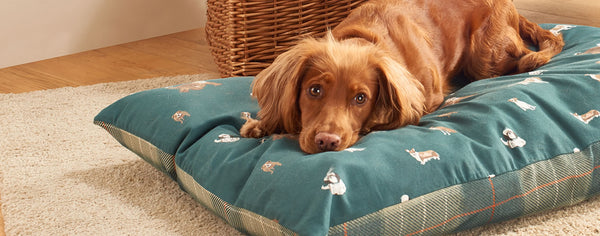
x=330, y=92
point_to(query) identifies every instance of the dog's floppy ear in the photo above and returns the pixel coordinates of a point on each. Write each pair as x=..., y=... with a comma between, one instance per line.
x=276, y=89
x=400, y=101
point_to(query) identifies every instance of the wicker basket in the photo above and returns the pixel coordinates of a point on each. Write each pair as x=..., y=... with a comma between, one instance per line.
x=245, y=36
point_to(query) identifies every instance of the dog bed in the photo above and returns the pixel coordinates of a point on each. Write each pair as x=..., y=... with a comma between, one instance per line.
x=497, y=149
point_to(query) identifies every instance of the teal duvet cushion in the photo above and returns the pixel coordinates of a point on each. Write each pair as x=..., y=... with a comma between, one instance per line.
x=497, y=149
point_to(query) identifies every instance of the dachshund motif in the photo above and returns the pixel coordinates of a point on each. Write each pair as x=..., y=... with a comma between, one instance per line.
x=594, y=50
x=587, y=117
x=447, y=114
x=455, y=100
x=523, y=105
x=424, y=157
x=389, y=63
x=198, y=85
x=530, y=80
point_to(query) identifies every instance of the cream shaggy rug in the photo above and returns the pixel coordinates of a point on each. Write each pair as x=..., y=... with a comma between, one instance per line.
x=62, y=175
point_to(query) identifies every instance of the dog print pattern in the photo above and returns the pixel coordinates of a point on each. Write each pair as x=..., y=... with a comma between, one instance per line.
x=179, y=116
x=523, y=105
x=510, y=138
x=269, y=166
x=198, y=85
x=333, y=183
x=594, y=77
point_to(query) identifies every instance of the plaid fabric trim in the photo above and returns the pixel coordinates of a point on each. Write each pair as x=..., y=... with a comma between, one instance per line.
x=162, y=161
x=241, y=219
x=561, y=181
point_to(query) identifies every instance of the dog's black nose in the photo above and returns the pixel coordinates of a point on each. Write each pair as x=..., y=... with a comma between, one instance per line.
x=327, y=141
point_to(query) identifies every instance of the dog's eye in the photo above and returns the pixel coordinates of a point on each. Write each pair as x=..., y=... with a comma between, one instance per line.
x=360, y=98
x=314, y=91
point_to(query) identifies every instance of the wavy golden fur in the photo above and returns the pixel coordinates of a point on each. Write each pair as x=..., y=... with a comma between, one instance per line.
x=389, y=63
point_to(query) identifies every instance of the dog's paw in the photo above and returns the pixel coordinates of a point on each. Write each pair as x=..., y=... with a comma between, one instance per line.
x=252, y=127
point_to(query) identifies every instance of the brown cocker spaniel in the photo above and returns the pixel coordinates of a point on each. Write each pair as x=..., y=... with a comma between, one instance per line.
x=389, y=63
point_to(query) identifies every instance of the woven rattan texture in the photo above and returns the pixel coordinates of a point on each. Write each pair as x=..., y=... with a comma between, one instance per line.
x=245, y=36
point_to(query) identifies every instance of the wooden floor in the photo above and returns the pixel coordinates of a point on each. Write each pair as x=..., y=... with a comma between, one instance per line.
x=181, y=53
x=187, y=53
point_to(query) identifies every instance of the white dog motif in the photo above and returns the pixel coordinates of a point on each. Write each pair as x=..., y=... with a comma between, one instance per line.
x=512, y=140
x=226, y=138
x=556, y=30
x=334, y=183
x=523, y=105
x=351, y=149
x=537, y=72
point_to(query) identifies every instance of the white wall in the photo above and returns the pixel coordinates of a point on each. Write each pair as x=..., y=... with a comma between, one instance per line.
x=32, y=30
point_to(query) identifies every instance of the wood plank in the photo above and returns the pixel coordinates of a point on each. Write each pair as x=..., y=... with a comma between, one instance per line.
x=579, y=12
x=84, y=68
x=144, y=64
x=187, y=51
x=181, y=53
x=23, y=79
x=539, y=17
x=195, y=35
